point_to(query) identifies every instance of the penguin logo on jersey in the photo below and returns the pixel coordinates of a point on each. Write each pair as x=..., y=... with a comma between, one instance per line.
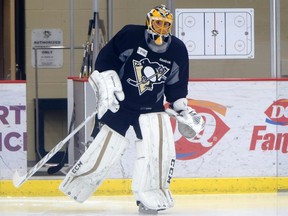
x=147, y=75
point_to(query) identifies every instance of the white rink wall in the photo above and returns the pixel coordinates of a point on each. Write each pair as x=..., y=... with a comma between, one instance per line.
x=246, y=133
x=13, y=131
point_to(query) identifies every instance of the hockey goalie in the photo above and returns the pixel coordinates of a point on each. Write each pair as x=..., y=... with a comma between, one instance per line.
x=134, y=72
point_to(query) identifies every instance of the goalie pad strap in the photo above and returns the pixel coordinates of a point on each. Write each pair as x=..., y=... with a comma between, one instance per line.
x=155, y=162
x=94, y=165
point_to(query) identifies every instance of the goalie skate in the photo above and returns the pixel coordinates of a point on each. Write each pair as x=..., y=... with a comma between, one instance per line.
x=144, y=210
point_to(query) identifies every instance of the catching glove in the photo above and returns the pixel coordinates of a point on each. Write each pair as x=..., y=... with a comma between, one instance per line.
x=190, y=124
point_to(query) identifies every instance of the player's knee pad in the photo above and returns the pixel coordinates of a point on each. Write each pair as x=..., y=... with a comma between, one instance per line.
x=94, y=165
x=155, y=162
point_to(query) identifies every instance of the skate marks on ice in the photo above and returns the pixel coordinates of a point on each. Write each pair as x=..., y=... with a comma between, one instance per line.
x=274, y=204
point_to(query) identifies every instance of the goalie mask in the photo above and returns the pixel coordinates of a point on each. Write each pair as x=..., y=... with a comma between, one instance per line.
x=159, y=23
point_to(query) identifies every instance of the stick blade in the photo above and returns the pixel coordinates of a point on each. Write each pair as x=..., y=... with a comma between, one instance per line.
x=17, y=180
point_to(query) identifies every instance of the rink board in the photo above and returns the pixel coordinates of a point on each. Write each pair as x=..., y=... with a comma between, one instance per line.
x=179, y=186
x=246, y=132
x=243, y=148
x=13, y=129
x=245, y=136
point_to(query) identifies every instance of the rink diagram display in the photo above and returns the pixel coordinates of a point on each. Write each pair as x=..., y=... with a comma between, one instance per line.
x=216, y=33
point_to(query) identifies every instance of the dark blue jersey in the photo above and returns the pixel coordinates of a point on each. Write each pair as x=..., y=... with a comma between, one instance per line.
x=147, y=74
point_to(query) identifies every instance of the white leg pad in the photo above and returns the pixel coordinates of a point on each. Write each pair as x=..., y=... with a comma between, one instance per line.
x=155, y=162
x=94, y=165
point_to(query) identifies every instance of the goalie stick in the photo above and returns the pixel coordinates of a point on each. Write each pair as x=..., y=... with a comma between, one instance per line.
x=19, y=180
x=90, y=55
x=55, y=169
x=86, y=68
x=85, y=61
